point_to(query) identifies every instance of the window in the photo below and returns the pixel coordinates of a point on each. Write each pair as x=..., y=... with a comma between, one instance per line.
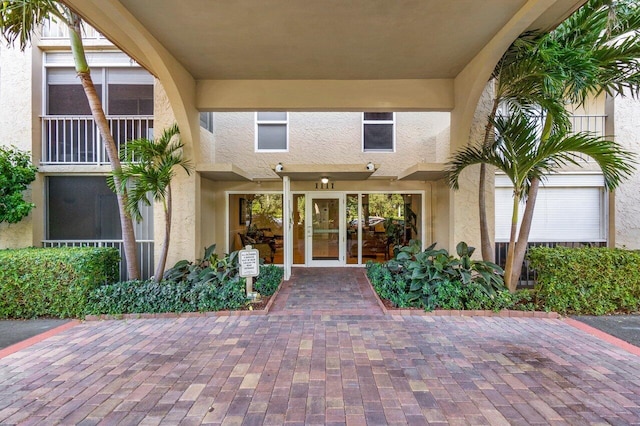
x=569, y=208
x=128, y=91
x=271, y=131
x=82, y=208
x=256, y=219
x=378, y=132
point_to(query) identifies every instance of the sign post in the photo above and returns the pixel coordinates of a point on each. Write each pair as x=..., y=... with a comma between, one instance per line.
x=249, y=260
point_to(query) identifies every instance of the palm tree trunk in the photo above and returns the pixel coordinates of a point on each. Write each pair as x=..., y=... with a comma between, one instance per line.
x=167, y=234
x=82, y=68
x=523, y=235
x=527, y=217
x=508, y=269
x=486, y=244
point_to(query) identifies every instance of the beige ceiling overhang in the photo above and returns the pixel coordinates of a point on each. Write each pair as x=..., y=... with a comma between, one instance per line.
x=424, y=172
x=322, y=55
x=334, y=172
x=222, y=172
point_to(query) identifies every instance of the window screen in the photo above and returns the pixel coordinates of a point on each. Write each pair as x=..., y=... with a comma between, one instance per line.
x=377, y=131
x=82, y=208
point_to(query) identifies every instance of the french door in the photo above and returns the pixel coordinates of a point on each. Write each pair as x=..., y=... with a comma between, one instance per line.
x=325, y=232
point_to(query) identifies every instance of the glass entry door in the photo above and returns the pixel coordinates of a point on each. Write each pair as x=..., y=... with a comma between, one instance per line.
x=325, y=229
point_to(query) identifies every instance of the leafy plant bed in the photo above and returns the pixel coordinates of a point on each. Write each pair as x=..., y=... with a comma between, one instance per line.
x=435, y=283
x=390, y=309
x=261, y=307
x=206, y=287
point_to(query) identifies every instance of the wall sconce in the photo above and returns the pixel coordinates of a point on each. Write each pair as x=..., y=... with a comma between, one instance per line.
x=370, y=166
x=324, y=183
x=279, y=167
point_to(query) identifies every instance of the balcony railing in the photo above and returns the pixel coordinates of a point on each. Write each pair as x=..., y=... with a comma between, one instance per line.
x=57, y=30
x=144, y=249
x=593, y=124
x=76, y=140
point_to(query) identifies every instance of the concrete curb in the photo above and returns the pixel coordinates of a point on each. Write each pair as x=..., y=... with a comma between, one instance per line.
x=37, y=338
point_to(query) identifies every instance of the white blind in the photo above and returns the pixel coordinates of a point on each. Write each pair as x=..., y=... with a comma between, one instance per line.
x=562, y=213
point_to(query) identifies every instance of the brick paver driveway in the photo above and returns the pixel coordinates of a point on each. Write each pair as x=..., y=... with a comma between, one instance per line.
x=317, y=365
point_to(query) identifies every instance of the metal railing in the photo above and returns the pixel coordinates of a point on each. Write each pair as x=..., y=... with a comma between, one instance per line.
x=144, y=249
x=76, y=140
x=528, y=274
x=56, y=30
x=593, y=124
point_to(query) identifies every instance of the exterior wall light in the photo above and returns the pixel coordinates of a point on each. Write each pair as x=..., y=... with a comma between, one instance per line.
x=324, y=180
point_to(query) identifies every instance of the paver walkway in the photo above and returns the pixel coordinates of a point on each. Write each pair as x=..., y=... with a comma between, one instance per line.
x=308, y=368
x=318, y=291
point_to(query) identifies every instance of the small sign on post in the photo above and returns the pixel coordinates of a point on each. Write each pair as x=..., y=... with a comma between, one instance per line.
x=249, y=260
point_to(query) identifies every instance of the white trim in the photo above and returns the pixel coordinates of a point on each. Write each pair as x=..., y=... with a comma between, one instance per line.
x=309, y=197
x=583, y=179
x=375, y=122
x=257, y=123
x=94, y=59
x=287, y=227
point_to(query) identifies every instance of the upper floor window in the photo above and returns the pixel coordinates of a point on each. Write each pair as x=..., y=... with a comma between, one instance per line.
x=128, y=91
x=271, y=131
x=377, y=131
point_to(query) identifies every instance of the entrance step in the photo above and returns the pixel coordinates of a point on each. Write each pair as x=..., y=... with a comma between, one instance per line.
x=326, y=291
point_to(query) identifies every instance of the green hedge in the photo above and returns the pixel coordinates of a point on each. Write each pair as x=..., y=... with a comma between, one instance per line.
x=593, y=281
x=53, y=282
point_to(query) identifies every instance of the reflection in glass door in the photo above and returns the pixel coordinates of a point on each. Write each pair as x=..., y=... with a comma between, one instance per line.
x=325, y=230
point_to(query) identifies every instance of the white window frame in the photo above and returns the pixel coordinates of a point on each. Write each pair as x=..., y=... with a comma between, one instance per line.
x=284, y=122
x=101, y=64
x=374, y=122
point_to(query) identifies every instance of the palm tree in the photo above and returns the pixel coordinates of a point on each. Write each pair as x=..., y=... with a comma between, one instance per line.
x=148, y=171
x=526, y=153
x=19, y=19
x=595, y=50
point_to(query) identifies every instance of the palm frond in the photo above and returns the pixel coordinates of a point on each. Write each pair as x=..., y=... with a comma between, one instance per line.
x=19, y=19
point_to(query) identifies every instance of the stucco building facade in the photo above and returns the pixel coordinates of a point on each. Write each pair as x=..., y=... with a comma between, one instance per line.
x=264, y=147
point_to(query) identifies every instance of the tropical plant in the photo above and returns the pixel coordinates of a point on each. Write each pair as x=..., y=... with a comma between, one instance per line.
x=19, y=20
x=526, y=155
x=16, y=173
x=148, y=171
x=597, y=49
x=425, y=271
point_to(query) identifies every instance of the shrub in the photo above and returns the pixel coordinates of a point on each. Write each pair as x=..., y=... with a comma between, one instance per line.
x=433, y=279
x=269, y=279
x=212, y=284
x=53, y=282
x=587, y=280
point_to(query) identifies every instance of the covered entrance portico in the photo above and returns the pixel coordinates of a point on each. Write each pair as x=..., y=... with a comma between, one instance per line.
x=397, y=57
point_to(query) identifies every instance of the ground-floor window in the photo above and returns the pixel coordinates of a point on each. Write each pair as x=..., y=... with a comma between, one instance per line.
x=328, y=228
x=256, y=219
x=388, y=221
x=83, y=211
